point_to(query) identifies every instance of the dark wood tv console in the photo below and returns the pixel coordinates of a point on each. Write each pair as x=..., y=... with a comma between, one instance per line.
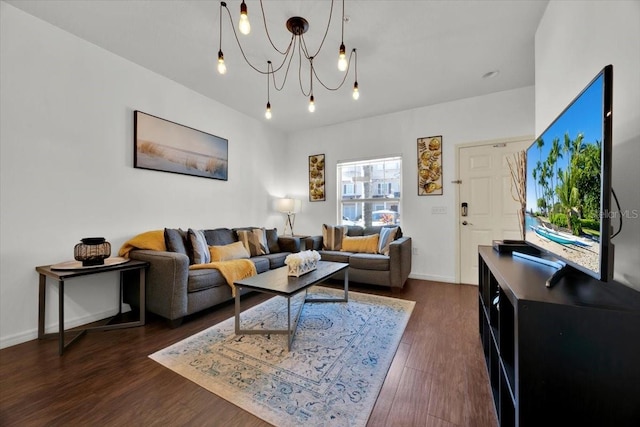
x=567, y=355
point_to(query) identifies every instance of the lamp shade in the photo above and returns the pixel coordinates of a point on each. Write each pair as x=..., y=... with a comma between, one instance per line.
x=288, y=205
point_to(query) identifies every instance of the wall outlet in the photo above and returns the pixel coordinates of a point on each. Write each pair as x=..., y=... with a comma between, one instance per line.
x=414, y=250
x=439, y=210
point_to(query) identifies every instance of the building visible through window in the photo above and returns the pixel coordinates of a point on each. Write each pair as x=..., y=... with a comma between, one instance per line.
x=370, y=191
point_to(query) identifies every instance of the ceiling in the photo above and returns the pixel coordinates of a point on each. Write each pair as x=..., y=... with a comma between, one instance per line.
x=410, y=53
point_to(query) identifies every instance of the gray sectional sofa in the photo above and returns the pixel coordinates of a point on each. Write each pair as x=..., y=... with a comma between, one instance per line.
x=390, y=270
x=175, y=291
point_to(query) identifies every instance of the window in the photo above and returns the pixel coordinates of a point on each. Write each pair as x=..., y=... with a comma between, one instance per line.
x=382, y=189
x=370, y=191
x=348, y=189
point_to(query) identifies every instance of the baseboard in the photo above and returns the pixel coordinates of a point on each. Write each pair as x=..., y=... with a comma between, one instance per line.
x=19, y=338
x=32, y=334
x=446, y=279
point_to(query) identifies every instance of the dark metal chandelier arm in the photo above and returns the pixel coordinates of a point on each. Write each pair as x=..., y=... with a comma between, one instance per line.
x=286, y=73
x=346, y=74
x=269, y=67
x=305, y=50
x=223, y=4
x=325, y=32
x=342, y=22
x=235, y=34
x=300, y=55
x=264, y=20
x=287, y=54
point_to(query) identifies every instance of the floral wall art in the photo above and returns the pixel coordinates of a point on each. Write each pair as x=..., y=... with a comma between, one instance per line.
x=316, y=178
x=430, y=166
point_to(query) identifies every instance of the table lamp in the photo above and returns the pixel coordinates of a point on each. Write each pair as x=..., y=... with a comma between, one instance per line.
x=289, y=207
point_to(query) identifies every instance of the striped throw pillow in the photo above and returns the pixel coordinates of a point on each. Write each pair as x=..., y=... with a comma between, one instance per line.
x=332, y=236
x=387, y=235
x=254, y=241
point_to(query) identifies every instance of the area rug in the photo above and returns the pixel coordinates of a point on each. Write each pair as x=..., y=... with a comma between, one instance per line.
x=332, y=376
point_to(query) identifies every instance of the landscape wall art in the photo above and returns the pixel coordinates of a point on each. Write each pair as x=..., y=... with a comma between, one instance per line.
x=166, y=146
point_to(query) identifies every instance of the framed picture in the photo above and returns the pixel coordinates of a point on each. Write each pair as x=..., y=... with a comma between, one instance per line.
x=166, y=146
x=430, y=166
x=316, y=178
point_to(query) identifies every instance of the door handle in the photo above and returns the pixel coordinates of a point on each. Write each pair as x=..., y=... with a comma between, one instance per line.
x=466, y=223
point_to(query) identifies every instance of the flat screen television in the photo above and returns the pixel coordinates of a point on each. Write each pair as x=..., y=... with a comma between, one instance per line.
x=568, y=184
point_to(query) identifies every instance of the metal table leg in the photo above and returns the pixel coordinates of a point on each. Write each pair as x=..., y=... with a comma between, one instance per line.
x=41, y=305
x=61, y=317
x=289, y=331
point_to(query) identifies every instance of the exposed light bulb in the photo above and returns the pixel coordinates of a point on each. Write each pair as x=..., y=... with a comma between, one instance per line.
x=342, y=59
x=243, y=24
x=312, y=104
x=342, y=63
x=356, y=92
x=267, y=114
x=221, y=67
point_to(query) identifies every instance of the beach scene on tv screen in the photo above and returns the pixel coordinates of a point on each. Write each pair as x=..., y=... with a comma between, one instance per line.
x=563, y=183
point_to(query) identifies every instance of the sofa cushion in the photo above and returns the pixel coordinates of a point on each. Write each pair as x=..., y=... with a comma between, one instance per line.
x=363, y=244
x=254, y=241
x=220, y=236
x=262, y=263
x=335, y=256
x=199, y=248
x=369, y=262
x=332, y=236
x=387, y=235
x=205, y=279
x=276, y=260
x=176, y=240
x=228, y=252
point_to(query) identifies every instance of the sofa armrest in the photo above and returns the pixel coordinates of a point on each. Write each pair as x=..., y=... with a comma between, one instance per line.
x=289, y=244
x=166, y=282
x=400, y=261
x=313, y=243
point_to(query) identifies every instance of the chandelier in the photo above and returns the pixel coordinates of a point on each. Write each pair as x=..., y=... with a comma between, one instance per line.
x=297, y=26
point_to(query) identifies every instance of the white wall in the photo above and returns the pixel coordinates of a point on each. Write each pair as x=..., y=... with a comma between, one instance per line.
x=495, y=116
x=574, y=41
x=66, y=132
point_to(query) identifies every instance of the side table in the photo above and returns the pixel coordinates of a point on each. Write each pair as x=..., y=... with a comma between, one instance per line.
x=61, y=275
x=302, y=237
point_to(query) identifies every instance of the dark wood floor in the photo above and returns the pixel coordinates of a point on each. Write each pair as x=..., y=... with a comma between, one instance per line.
x=438, y=376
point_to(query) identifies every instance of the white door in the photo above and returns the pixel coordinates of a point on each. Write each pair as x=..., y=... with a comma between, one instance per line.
x=491, y=209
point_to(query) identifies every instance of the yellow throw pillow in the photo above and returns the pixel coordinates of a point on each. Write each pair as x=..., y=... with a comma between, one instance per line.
x=362, y=244
x=227, y=252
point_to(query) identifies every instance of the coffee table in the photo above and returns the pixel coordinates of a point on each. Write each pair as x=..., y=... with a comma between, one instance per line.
x=277, y=282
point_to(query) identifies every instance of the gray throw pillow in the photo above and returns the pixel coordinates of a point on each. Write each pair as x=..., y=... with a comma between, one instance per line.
x=176, y=240
x=199, y=247
x=272, y=240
